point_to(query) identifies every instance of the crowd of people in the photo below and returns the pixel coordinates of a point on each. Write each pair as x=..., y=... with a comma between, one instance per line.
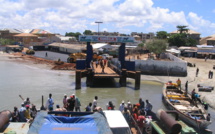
x=138, y=111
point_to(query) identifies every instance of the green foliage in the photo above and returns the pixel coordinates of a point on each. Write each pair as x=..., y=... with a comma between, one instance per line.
x=6, y=41
x=73, y=34
x=182, y=29
x=157, y=46
x=162, y=35
x=87, y=32
x=141, y=44
x=177, y=40
x=181, y=40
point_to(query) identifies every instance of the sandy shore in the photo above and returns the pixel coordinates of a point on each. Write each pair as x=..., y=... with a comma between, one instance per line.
x=38, y=62
x=202, y=78
x=204, y=68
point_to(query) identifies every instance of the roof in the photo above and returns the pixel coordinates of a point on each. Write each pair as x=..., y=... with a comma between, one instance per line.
x=204, y=46
x=172, y=50
x=101, y=45
x=66, y=38
x=13, y=30
x=189, y=31
x=70, y=46
x=212, y=38
x=25, y=35
x=39, y=31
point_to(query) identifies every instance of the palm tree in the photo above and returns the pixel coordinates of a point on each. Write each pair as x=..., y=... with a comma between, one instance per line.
x=182, y=29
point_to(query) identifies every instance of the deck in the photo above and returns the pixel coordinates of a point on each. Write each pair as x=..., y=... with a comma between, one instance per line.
x=108, y=72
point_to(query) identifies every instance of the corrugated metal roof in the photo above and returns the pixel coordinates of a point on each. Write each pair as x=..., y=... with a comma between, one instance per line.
x=101, y=45
x=25, y=35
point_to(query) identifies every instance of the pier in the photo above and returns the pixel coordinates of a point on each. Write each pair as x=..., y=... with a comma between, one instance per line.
x=87, y=68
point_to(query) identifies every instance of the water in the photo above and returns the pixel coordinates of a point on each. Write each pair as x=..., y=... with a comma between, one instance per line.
x=33, y=82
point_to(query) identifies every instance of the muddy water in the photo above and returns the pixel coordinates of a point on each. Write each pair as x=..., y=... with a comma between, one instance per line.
x=33, y=82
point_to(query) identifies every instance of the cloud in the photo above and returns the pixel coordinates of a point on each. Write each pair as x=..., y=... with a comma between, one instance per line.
x=76, y=15
x=200, y=24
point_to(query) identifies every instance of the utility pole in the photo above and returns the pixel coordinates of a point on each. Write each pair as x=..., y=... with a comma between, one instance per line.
x=98, y=22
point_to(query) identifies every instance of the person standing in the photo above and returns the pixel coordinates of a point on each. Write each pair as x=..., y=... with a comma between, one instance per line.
x=71, y=103
x=142, y=104
x=65, y=103
x=197, y=72
x=148, y=107
x=95, y=102
x=46, y=54
x=50, y=103
x=186, y=87
x=77, y=104
x=179, y=83
x=209, y=74
x=212, y=74
x=127, y=115
x=122, y=106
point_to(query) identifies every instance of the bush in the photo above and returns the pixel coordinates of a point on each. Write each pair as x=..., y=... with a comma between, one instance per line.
x=30, y=52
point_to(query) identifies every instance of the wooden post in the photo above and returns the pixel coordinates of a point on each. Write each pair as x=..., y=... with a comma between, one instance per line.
x=78, y=79
x=137, y=79
x=123, y=78
x=89, y=77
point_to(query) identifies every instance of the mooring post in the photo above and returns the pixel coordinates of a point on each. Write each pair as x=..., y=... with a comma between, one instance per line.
x=123, y=78
x=89, y=76
x=78, y=79
x=137, y=79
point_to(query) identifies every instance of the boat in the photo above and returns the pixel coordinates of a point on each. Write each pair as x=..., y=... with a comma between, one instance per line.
x=190, y=112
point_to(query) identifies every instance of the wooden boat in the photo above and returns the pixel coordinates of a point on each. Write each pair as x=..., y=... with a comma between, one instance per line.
x=190, y=112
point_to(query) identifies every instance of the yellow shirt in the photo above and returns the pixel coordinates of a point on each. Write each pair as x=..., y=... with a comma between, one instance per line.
x=27, y=114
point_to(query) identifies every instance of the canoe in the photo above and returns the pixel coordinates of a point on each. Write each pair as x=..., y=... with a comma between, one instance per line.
x=192, y=113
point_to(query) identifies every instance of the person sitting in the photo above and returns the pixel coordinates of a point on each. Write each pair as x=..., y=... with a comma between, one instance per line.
x=28, y=114
x=15, y=115
x=59, y=109
x=141, y=122
x=197, y=97
x=33, y=111
x=88, y=108
x=22, y=113
x=110, y=106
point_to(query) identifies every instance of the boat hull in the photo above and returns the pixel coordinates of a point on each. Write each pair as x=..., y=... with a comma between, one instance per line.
x=197, y=123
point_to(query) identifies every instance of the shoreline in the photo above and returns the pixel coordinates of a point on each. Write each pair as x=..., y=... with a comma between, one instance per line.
x=191, y=72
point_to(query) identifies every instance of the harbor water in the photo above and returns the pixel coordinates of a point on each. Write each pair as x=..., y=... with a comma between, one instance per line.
x=34, y=82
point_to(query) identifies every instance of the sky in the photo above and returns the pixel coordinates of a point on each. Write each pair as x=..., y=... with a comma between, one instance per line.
x=123, y=16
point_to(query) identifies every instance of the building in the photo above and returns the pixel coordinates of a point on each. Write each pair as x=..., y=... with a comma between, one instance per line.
x=29, y=37
x=143, y=36
x=25, y=38
x=105, y=33
x=9, y=33
x=192, y=34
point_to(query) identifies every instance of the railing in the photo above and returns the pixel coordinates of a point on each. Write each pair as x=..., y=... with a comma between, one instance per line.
x=136, y=125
